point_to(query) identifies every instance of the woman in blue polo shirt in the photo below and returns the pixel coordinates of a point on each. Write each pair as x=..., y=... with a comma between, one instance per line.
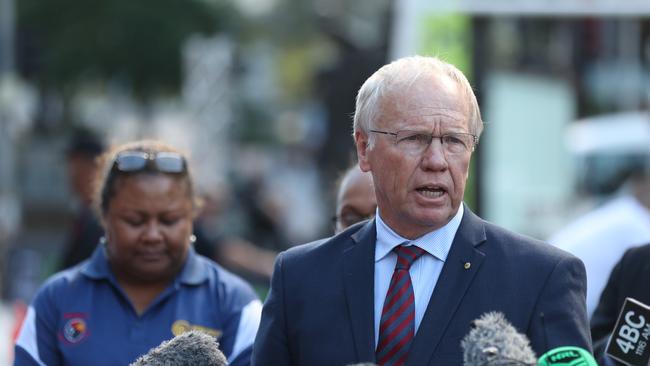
x=144, y=283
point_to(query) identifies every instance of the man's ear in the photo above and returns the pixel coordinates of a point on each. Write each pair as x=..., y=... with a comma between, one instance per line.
x=361, y=143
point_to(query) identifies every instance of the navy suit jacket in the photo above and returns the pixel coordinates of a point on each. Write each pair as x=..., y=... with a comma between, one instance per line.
x=319, y=310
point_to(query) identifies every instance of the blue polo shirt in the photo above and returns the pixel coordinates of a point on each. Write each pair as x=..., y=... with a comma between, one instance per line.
x=81, y=316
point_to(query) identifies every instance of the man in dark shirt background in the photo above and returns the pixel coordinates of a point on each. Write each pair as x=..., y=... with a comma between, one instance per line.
x=85, y=230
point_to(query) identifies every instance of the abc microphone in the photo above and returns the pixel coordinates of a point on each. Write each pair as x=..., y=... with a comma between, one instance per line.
x=494, y=341
x=629, y=340
x=186, y=349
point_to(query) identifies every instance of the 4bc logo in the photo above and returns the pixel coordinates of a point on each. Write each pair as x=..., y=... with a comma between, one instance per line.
x=631, y=334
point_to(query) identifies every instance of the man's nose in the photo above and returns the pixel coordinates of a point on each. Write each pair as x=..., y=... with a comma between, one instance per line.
x=433, y=157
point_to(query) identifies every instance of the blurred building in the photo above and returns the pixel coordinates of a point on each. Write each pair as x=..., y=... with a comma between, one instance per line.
x=270, y=86
x=537, y=66
x=231, y=82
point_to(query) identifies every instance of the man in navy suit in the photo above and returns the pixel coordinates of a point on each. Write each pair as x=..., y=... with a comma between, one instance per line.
x=403, y=288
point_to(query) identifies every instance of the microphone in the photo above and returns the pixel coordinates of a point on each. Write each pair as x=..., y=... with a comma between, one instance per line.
x=494, y=341
x=629, y=340
x=567, y=356
x=186, y=349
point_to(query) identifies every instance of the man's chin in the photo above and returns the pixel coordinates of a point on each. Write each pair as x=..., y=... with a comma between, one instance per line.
x=434, y=219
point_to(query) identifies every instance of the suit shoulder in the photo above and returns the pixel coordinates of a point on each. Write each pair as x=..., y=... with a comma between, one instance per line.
x=326, y=248
x=317, y=251
x=524, y=245
x=639, y=253
x=635, y=259
x=305, y=249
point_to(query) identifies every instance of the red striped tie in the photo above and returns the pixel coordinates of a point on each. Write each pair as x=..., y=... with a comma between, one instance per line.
x=397, y=325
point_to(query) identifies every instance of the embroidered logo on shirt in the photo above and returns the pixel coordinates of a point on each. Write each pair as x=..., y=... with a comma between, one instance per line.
x=181, y=326
x=75, y=330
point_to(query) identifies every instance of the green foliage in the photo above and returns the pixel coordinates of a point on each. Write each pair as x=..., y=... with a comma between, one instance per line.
x=448, y=36
x=136, y=42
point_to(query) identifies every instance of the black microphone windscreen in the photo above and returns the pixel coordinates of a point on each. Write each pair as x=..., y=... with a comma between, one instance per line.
x=494, y=341
x=189, y=348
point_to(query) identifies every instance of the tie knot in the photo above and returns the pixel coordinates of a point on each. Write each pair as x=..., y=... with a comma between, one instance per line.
x=406, y=255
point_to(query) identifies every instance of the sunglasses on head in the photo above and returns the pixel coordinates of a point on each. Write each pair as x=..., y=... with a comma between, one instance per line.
x=165, y=162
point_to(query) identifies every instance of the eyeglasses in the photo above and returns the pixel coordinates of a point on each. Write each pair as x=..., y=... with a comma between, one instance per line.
x=165, y=162
x=416, y=142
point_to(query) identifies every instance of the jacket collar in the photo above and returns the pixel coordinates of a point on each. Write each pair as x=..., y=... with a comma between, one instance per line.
x=358, y=282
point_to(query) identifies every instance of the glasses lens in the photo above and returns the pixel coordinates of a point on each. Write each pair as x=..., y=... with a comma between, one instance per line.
x=169, y=162
x=415, y=142
x=412, y=141
x=457, y=143
x=131, y=161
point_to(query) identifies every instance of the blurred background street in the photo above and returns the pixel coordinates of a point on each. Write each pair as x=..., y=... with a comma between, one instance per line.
x=261, y=93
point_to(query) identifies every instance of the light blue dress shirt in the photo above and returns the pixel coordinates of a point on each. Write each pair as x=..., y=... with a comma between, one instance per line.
x=424, y=271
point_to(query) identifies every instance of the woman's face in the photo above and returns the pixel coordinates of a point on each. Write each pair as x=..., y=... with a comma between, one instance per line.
x=148, y=226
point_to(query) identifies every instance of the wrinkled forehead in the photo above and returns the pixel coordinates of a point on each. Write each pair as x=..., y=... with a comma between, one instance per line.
x=428, y=99
x=426, y=118
x=429, y=114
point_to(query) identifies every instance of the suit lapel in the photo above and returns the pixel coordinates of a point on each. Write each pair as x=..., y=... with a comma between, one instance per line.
x=358, y=280
x=452, y=285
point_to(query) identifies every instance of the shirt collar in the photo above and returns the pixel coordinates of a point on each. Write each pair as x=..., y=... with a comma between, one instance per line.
x=97, y=266
x=194, y=272
x=196, y=269
x=437, y=242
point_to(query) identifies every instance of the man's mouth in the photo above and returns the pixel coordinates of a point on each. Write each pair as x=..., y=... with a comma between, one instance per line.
x=431, y=191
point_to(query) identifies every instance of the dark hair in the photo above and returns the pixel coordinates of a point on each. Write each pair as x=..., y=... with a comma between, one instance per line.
x=109, y=175
x=84, y=142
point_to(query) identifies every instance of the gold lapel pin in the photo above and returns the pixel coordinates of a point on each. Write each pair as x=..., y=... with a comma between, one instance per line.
x=467, y=265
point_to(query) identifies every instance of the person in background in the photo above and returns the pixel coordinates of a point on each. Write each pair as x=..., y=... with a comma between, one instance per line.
x=355, y=198
x=85, y=231
x=144, y=283
x=600, y=237
x=628, y=279
x=404, y=288
x=355, y=202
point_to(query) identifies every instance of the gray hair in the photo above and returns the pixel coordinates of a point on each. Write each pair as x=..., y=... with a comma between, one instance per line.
x=399, y=75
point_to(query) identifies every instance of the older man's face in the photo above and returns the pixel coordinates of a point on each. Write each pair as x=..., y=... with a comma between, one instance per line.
x=418, y=193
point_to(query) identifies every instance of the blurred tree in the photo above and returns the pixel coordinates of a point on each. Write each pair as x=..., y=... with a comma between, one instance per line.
x=135, y=43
